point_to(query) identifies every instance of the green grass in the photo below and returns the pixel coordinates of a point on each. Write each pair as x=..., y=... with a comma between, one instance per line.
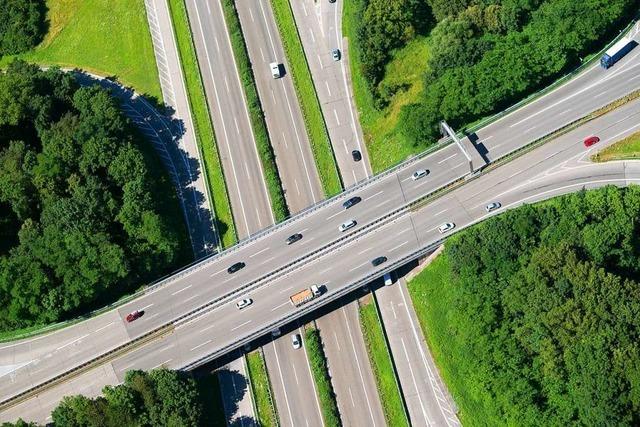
x=256, y=115
x=202, y=124
x=431, y=296
x=385, y=144
x=314, y=122
x=625, y=149
x=262, y=390
x=106, y=37
x=382, y=366
x=320, y=372
x=212, y=407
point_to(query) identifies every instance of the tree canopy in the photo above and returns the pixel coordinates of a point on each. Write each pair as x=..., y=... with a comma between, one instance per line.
x=541, y=309
x=22, y=25
x=84, y=215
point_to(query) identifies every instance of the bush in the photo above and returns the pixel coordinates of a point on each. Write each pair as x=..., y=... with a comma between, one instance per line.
x=320, y=371
x=22, y=25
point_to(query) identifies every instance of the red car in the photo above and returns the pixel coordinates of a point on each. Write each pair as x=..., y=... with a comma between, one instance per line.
x=134, y=315
x=588, y=142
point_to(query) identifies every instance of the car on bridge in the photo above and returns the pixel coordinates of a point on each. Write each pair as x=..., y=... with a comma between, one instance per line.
x=352, y=202
x=134, y=315
x=421, y=173
x=236, y=267
x=588, y=142
x=492, y=206
x=246, y=302
x=447, y=226
x=347, y=225
x=293, y=238
x=377, y=261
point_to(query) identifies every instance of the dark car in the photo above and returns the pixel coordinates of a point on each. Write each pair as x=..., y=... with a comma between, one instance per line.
x=588, y=142
x=134, y=315
x=294, y=238
x=351, y=202
x=235, y=267
x=356, y=155
x=377, y=261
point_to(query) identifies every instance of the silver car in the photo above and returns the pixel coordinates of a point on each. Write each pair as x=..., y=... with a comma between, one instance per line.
x=447, y=226
x=347, y=225
x=335, y=54
x=296, y=341
x=244, y=303
x=420, y=173
x=492, y=206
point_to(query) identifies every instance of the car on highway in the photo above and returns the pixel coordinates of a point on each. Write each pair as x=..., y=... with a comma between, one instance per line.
x=492, y=206
x=244, y=303
x=351, y=202
x=293, y=238
x=236, y=267
x=377, y=261
x=275, y=70
x=388, y=279
x=134, y=315
x=447, y=226
x=589, y=141
x=332, y=1
x=296, y=341
x=335, y=54
x=357, y=156
x=420, y=173
x=347, y=225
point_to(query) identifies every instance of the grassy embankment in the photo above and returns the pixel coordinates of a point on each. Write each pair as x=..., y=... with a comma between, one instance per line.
x=320, y=372
x=382, y=366
x=259, y=378
x=314, y=121
x=625, y=149
x=202, y=123
x=385, y=144
x=256, y=115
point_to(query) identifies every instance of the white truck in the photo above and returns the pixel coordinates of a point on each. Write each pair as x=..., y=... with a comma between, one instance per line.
x=305, y=295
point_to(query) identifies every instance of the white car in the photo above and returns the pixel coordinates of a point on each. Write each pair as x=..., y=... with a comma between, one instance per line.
x=335, y=54
x=275, y=70
x=492, y=206
x=244, y=303
x=296, y=341
x=347, y=225
x=447, y=226
x=420, y=173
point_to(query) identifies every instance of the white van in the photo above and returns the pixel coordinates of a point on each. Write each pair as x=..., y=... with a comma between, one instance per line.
x=275, y=70
x=388, y=279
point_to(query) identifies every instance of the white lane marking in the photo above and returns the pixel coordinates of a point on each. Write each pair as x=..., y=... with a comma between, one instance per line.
x=365, y=250
x=527, y=130
x=251, y=15
x=326, y=83
x=284, y=388
x=440, y=212
x=217, y=44
x=72, y=342
x=313, y=39
x=267, y=260
x=393, y=310
x=334, y=215
x=353, y=403
x=145, y=307
x=262, y=54
x=259, y=252
x=280, y=306
x=374, y=195
x=200, y=345
x=305, y=241
x=246, y=170
x=324, y=271
x=415, y=383
x=218, y=272
x=208, y=8
x=181, y=290
x=447, y=158
x=344, y=143
x=284, y=139
x=399, y=246
x=163, y=363
x=273, y=95
x=209, y=327
x=241, y=325
x=237, y=127
x=295, y=373
x=295, y=181
x=335, y=336
x=335, y=113
x=486, y=138
x=360, y=265
x=320, y=62
x=104, y=327
x=226, y=82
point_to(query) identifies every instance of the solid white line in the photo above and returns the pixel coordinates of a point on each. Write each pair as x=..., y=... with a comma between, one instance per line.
x=415, y=383
x=200, y=345
x=259, y=252
x=241, y=325
x=181, y=290
x=447, y=158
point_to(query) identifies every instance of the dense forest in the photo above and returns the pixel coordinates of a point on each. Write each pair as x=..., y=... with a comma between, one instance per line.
x=534, y=315
x=86, y=213
x=484, y=54
x=157, y=398
x=22, y=25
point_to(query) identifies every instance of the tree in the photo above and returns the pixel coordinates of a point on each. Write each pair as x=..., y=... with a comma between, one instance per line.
x=22, y=25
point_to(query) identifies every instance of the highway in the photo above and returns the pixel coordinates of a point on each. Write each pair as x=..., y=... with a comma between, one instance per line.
x=243, y=172
x=280, y=105
x=56, y=352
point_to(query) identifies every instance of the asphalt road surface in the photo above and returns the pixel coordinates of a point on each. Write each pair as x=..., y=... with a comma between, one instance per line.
x=285, y=124
x=243, y=172
x=540, y=174
x=319, y=25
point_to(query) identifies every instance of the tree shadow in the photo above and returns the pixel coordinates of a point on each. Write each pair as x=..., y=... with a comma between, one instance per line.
x=234, y=386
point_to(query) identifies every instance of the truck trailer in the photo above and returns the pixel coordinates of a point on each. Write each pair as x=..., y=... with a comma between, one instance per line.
x=305, y=295
x=617, y=51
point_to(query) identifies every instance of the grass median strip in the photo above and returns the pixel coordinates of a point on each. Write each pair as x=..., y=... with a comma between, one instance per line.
x=382, y=366
x=314, y=122
x=320, y=372
x=625, y=149
x=266, y=415
x=202, y=123
x=256, y=115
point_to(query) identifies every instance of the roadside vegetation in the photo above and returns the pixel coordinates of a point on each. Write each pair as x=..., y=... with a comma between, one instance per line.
x=308, y=99
x=320, y=372
x=86, y=213
x=106, y=37
x=158, y=398
x=256, y=115
x=202, y=123
x=625, y=149
x=477, y=58
x=261, y=387
x=382, y=365
x=22, y=25
x=210, y=395
x=545, y=298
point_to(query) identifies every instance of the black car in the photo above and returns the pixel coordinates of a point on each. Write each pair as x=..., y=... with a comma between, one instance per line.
x=351, y=202
x=235, y=267
x=377, y=261
x=356, y=155
x=294, y=238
